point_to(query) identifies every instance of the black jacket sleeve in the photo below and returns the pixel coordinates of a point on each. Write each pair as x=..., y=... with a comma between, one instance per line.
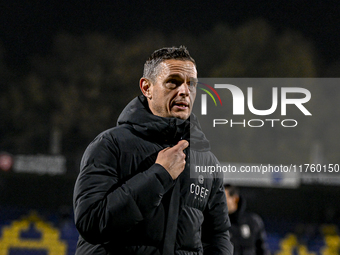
x=103, y=206
x=216, y=223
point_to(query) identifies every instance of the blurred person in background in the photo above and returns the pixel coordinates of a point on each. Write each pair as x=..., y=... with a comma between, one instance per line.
x=134, y=193
x=247, y=232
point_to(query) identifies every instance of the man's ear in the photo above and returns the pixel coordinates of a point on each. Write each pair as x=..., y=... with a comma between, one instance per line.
x=145, y=87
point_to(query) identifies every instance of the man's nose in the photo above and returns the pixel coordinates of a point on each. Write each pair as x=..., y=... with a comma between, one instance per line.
x=184, y=89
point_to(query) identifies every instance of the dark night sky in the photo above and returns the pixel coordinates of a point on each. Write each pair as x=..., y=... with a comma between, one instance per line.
x=27, y=27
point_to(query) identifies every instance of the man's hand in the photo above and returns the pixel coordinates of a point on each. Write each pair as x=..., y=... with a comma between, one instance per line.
x=173, y=158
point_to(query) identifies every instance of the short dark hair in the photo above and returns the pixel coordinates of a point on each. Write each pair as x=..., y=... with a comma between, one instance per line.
x=158, y=56
x=232, y=189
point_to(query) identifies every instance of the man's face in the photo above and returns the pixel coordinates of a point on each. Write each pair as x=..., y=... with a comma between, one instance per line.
x=174, y=90
x=232, y=202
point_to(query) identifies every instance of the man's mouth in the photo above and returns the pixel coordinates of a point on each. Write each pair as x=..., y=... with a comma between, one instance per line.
x=181, y=105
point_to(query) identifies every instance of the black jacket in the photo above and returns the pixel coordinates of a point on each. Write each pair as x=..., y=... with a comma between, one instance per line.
x=124, y=203
x=247, y=232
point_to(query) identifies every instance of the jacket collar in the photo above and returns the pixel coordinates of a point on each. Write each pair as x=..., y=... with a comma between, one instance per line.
x=163, y=130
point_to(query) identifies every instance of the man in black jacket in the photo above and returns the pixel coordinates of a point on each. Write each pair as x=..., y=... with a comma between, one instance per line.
x=134, y=193
x=247, y=231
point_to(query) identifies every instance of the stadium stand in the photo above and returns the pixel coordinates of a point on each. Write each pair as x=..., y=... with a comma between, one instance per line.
x=25, y=232
x=36, y=217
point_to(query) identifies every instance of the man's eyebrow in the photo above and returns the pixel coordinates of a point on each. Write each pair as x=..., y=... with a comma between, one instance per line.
x=180, y=76
x=175, y=76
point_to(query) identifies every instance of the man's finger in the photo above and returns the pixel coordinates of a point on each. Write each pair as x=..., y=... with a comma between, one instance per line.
x=181, y=145
x=167, y=148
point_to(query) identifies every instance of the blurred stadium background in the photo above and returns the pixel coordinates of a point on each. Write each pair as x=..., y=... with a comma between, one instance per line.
x=66, y=72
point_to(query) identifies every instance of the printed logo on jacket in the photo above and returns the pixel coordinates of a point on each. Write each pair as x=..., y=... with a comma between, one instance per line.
x=200, y=192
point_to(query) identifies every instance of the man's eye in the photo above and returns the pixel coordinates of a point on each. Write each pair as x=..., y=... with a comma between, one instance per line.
x=193, y=84
x=171, y=84
x=173, y=81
